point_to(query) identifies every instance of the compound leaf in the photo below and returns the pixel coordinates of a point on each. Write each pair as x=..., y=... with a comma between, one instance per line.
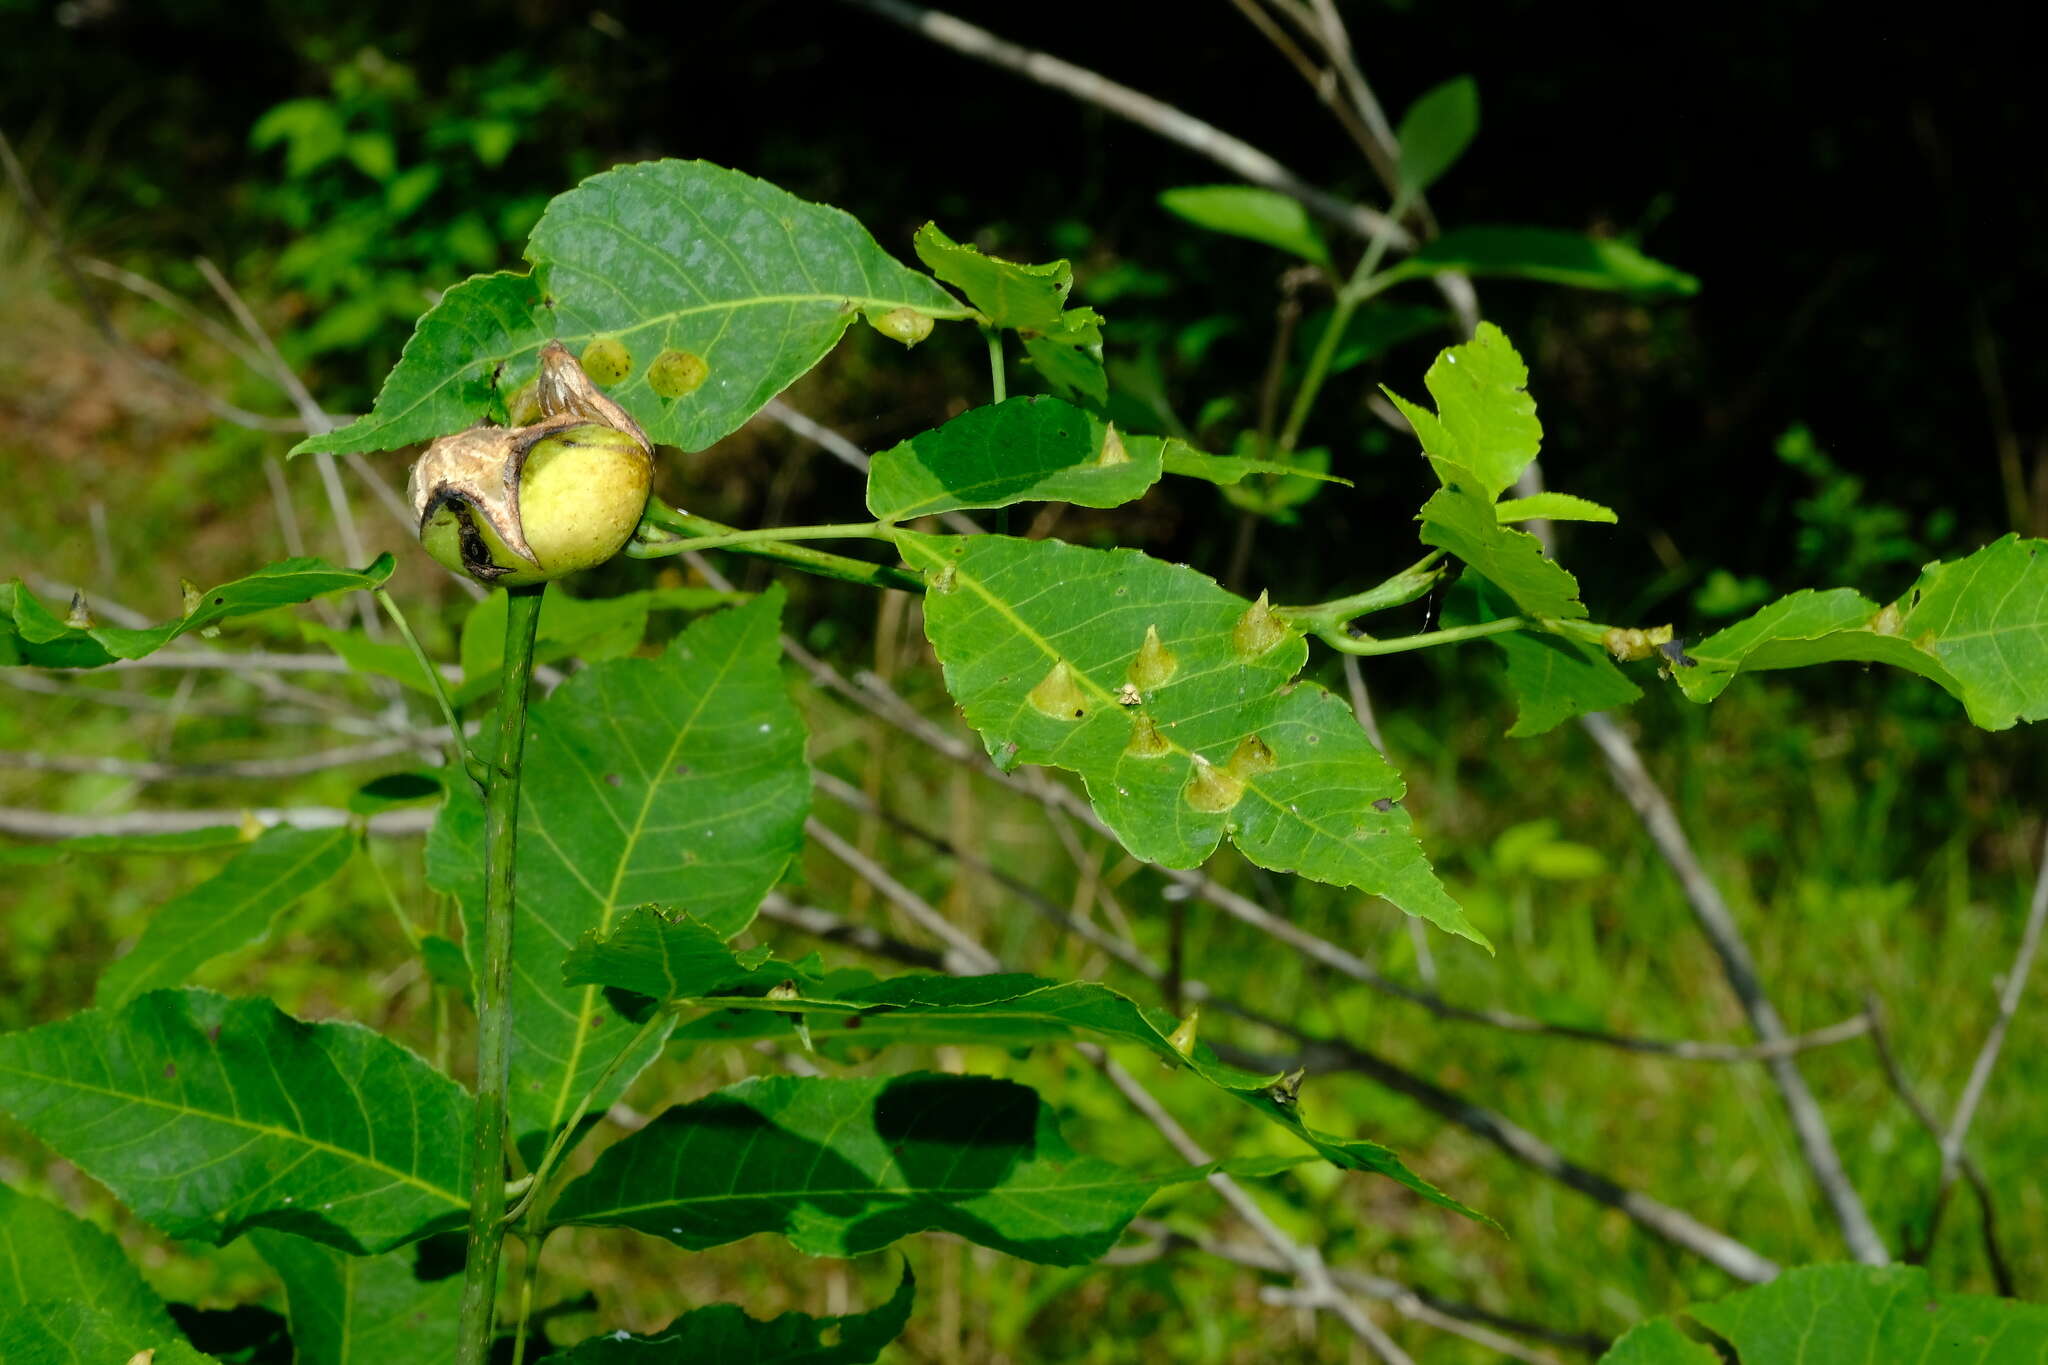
x=1977, y=627
x=361, y=1310
x=1174, y=701
x=672, y=780
x=846, y=1166
x=234, y=907
x=210, y=1116
x=718, y=289
x=31, y=633
x=1023, y=449
x=723, y=1334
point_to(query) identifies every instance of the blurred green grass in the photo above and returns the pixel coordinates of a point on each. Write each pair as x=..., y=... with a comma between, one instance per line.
x=1866, y=837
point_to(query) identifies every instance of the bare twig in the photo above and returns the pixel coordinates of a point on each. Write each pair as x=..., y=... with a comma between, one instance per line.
x=2001, y=1272
x=43, y=824
x=1717, y=922
x=1234, y=154
x=966, y=955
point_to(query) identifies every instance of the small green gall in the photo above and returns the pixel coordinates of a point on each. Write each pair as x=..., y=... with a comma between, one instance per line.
x=1154, y=664
x=1145, y=740
x=1631, y=644
x=1890, y=621
x=1212, y=790
x=80, y=615
x=1113, y=451
x=1258, y=630
x=1059, y=694
x=1182, y=1039
x=607, y=361
x=906, y=325
x=677, y=374
x=1251, y=757
x=516, y=506
x=1286, y=1092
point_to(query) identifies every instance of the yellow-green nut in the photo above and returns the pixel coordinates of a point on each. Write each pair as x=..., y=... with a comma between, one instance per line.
x=516, y=506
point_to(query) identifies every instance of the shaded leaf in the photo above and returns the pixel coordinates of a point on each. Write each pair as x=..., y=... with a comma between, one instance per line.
x=31, y=633
x=673, y=780
x=1555, y=257
x=1022, y=298
x=1435, y=132
x=845, y=1166
x=1070, y=371
x=667, y=957
x=209, y=1116
x=1551, y=677
x=1372, y=331
x=1052, y=1008
x=1025, y=449
x=667, y=259
x=1041, y=644
x=49, y=1256
x=393, y=790
x=1262, y=215
x=204, y=840
x=1224, y=470
x=723, y=1334
x=1977, y=627
x=231, y=909
x=361, y=1310
x=1826, y=1313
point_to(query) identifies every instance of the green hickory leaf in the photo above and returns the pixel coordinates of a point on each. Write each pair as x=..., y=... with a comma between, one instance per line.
x=1977, y=627
x=361, y=1310
x=1175, y=702
x=846, y=1166
x=1826, y=1313
x=1567, y=258
x=50, y=1258
x=1554, y=507
x=209, y=1116
x=1022, y=298
x=1551, y=677
x=229, y=910
x=1262, y=215
x=31, y=633
x=676, y=780
x=1436, y=130
x=1224, y=470
x=723, y=1334
x=719, y=289
x=71, y=1332
x=1086, y=1006
x=1020, y=450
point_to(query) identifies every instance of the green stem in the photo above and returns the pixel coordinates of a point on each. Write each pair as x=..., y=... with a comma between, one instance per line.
x=1335, y=637
x=557, y=1149
x=535, y=1237
x=435, y=681
x=1361, y=286
x=998, y=383
x=493, y=1003
x=1397, y=591
x=730, y=539
x=662, y=525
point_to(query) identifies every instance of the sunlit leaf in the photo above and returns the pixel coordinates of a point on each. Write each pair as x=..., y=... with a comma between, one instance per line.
x=1262, y=215
x=1551, y=677
x=210, y=1116
x=1977, y=627
x=845, y=1166
x=1201, y=733
x=32, y=633
x=1025, y=449
x=1826, y=1313
x=1554, y=506
x=1224, y=470
x=358, y=1310
x=1436, y=130
x=1545, y=254
x=77, y=1332
x=1022, y=298
x=723, y=1334
x=672, y=780
x=231, y=909
x=675, y=261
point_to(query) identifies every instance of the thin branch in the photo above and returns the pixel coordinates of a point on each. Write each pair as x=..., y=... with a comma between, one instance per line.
x=1234, y=154
x=1322, y=80
x=295, y=765
x=2001, y=1272
x=844, y=451
x=43, y=824
x=1717, y=922
x=967, y=955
